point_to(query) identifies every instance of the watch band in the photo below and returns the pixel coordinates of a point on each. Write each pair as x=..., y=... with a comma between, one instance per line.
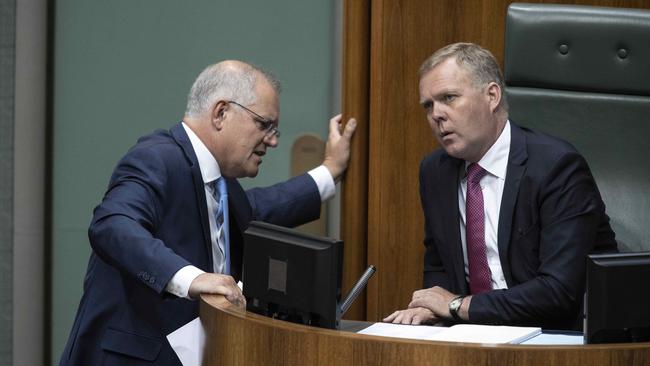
x=454, y=306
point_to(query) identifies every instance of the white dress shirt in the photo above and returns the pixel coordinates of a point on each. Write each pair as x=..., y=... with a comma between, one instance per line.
x=180, y=283
x=495, y=162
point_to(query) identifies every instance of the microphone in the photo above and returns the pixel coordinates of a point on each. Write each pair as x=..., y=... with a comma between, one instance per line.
x=357, y=288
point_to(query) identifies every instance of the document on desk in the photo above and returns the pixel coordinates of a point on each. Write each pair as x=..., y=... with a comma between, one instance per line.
x=402, y=331
x=471, y=333
x=570, y=338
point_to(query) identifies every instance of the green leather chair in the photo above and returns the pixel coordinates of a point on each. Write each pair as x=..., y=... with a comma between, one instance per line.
x=583, y=73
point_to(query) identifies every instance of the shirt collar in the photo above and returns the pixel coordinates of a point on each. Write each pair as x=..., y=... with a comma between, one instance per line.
x=495, y=160
x=207, y=163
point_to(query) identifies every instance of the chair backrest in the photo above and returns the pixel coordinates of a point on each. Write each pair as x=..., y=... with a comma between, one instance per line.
x=582, y=73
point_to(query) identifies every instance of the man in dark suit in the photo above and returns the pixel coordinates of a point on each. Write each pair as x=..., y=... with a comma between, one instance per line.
x=510, y=214
x=159, y=237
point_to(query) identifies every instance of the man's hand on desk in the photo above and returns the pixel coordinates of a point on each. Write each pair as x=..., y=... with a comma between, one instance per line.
x=437, y=299
x=414, y=316
x=429, y=306
x=219, y=284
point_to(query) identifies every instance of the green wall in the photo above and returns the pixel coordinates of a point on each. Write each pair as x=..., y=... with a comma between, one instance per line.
x=123, y=68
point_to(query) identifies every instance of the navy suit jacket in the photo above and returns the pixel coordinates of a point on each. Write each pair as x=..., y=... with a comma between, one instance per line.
x=153, y=221
x=551, y=217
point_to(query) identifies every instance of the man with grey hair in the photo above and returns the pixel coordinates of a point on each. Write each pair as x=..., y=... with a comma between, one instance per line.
x=510, y=213
x=171, y=222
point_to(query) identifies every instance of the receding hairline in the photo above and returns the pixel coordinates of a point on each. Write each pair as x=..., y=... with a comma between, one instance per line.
x=246, y=67
x=427, y=66
x=458, y=51
x=228, y=80
x=424, y=71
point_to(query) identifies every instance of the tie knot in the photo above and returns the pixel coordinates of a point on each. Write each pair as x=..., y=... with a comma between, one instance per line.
x=475, y=172
x=221, y=187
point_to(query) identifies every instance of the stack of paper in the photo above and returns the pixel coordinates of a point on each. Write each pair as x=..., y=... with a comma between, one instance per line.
x=472, y=333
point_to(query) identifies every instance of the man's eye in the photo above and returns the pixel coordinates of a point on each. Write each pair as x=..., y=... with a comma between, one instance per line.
x=264, y=125
x=427, y=105
x=449, y=98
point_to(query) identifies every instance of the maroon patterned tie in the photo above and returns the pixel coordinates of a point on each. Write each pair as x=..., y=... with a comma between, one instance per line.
x=480, y=278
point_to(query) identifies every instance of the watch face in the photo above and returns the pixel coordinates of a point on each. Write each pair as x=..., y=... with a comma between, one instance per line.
x=455, y=303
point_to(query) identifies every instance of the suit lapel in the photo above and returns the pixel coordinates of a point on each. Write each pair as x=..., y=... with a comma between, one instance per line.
x=449, y=173
x=516, y=167
x=240, y=216
x=181, y=138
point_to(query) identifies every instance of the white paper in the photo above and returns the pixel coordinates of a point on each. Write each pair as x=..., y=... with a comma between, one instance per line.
x=402, y=331
x=188, y=341
x=471, y=333
x=556, y=339
x=474, y=333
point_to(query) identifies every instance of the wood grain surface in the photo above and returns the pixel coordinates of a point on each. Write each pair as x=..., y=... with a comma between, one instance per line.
x=237, y=337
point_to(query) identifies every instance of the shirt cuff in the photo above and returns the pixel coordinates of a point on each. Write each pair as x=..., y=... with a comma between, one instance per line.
x=325, y=182
x=179, y=285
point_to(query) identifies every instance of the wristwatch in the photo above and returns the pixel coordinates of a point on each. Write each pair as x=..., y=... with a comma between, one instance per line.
x=454, y=307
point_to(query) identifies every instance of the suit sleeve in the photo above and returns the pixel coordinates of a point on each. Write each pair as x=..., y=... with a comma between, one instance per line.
x=568, y=207
x=290, y=203
x=122, y=225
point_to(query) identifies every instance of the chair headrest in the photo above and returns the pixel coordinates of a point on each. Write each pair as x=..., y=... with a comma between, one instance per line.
x=579, y=48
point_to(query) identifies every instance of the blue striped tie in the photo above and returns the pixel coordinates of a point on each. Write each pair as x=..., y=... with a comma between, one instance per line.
x=221, y=196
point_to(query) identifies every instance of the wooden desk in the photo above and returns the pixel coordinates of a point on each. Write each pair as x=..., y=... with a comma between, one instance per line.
x=237, y=337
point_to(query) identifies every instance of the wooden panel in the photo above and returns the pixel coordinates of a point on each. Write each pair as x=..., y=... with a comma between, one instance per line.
x=236, y=337
x=399, y=137
x=403, y=34
x=354, y=205
x=307, y=152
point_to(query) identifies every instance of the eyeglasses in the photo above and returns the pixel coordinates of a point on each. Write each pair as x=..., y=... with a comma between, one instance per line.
x=264, y=124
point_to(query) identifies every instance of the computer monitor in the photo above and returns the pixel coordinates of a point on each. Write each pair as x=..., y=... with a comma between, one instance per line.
x=292, y=276
x=617, y=301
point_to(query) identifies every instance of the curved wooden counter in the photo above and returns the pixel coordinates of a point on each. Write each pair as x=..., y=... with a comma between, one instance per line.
x=237, y=337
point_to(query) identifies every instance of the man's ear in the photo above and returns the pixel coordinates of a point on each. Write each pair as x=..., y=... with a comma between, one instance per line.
x=218, y=114
x=494, y=95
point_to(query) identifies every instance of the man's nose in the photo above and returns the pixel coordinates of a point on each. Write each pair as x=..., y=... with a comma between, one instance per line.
x=435, y=115
x=271, y=140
